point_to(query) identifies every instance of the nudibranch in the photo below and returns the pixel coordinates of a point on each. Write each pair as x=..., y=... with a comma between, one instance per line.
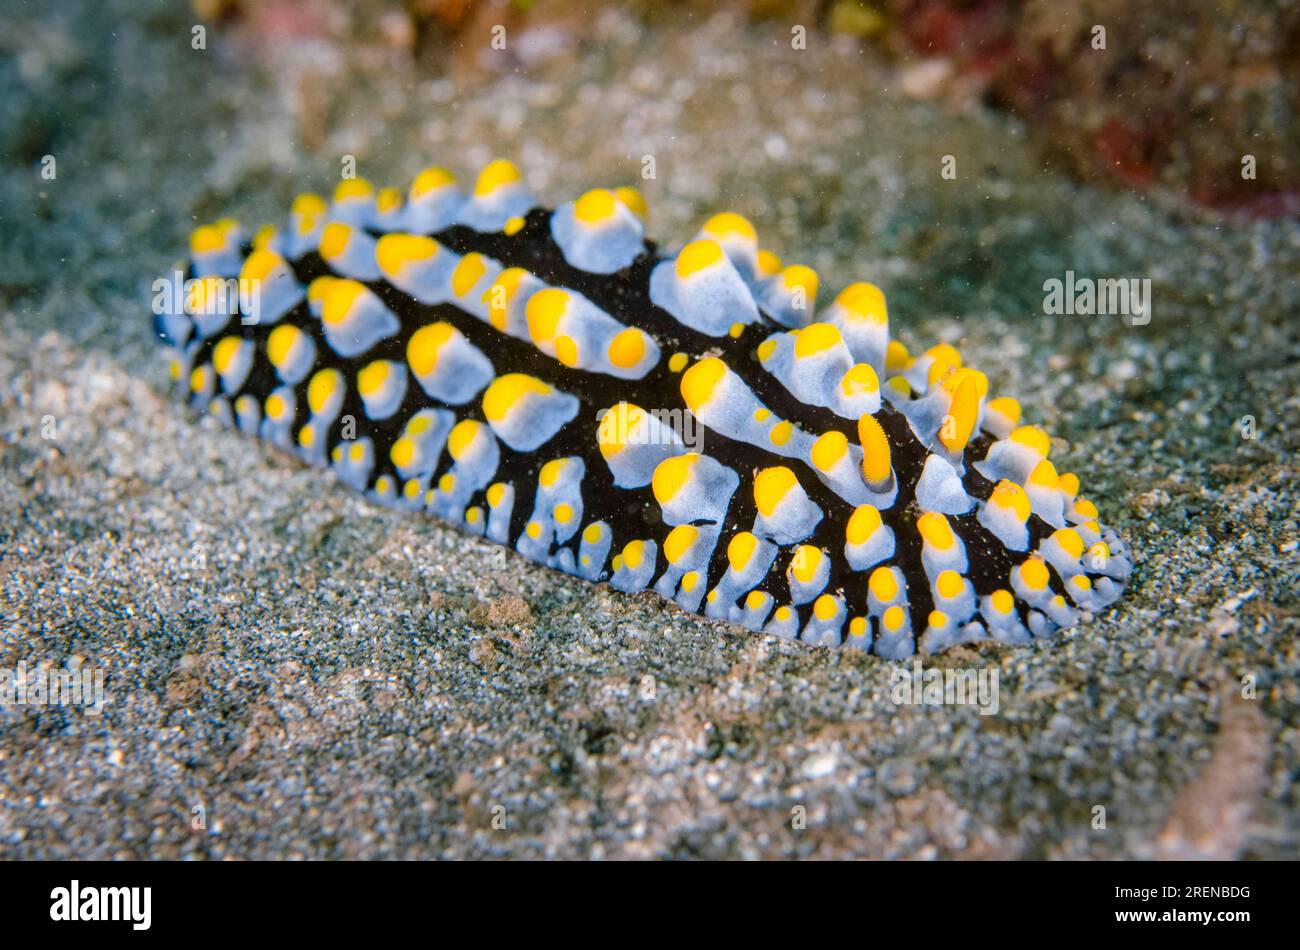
x=689, y=423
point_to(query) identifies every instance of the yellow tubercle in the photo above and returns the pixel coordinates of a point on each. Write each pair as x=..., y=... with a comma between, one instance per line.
x=883, y=584
x=462, y=437
x=319, y=287
x=828, y=450
x=1012, y=497
x=863, y=523
x=497, y=174
x=948, y=584
x=552, y=472
x=499, y=296
x=901, y=386
x=1034, y=573
x=897, y=358
x=1006, y=406
x=865, y=302
x=939, y=371
x=281, y=343
x=768, y=263
x=679, y=542
x=1070, y=541
x=207, y=238
x=424, y=346
x=1044, y=476
x=402, y=453
x=615, y=426
x=350, y=188
x=671, y=475
x=429, y=180
x=395, y=251
x=729, y=224
x=467, y=274
x=633, y=200
x=945, y=353
x=634, y=554
x=805, y=563
x=1033, y=437
x=372, y=377
x=740, y=550
x=308, y=204
x=697, y=256
x=505, y=391
x=223, y=354
x=334, y=239
x=566, y=351
x=770, y=486
x=627, y=349
x=595, y=207
x=700, y=381
x=544, y=311
x=799, y=277
x=816, y=338
x=322, y=387
x=260, y=264
x=860, y=380
x=276, y=408
x=936, y=531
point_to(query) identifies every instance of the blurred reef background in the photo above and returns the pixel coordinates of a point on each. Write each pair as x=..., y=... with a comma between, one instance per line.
x=326, y=679
x=1110, y=89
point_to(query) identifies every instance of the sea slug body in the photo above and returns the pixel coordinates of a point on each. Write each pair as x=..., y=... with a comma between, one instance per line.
x=687, y=423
